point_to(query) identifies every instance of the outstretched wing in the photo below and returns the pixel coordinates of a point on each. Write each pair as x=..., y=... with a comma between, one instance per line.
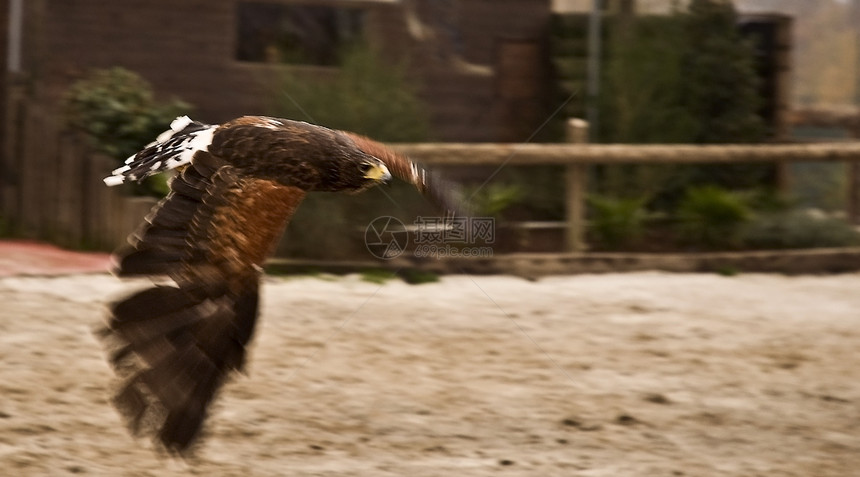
x=174, y=345
x=442, y=193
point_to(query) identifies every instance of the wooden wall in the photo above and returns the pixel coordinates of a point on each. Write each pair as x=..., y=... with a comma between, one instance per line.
x=56, y=191
x=187, y=49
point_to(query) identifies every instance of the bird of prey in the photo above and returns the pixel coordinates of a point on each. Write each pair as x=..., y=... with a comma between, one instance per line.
x=238, y=184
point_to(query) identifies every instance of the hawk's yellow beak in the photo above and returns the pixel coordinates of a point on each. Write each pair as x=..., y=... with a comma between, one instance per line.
x=378, y=172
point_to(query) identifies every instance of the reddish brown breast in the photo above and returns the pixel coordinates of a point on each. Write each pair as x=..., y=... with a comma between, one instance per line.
x=247, y=223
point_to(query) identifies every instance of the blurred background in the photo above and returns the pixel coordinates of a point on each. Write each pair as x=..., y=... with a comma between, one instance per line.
x=614, y=135
x=89, y=82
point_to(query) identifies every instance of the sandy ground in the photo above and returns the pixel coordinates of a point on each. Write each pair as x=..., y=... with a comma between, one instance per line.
x=643, y=374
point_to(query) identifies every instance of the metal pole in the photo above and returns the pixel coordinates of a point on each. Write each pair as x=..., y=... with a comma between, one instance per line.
x=13, y=52
x=594, y=51
x=855, y=14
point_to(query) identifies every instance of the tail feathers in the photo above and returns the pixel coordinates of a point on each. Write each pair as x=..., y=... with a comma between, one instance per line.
x=130, y=261
x=172, y=350
x=173, y=148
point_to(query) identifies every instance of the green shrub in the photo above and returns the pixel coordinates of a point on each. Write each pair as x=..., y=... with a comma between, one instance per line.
x=493, y=199
x=616, y=222
x=377, y=276
x=643, y=75
x=727, y=271
x=366, y=95
x=414, y=276
x=116, y=108
x=798, y=229
x=688, y=77
x=712, y=217
x=719, y=86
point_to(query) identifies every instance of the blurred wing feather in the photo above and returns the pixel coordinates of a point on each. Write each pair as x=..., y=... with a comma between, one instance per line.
x=173, y=346
x=442, y=193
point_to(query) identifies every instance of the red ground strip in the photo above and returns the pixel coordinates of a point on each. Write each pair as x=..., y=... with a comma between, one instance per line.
x=19, y=257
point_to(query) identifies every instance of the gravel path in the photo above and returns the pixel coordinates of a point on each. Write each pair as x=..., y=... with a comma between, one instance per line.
x=644, y=374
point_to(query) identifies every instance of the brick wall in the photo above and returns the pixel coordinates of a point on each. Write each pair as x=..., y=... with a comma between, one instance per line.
x=186, y=49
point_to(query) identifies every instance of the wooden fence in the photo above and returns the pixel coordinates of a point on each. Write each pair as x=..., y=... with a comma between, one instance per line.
x=575, y=157
x=52, y=187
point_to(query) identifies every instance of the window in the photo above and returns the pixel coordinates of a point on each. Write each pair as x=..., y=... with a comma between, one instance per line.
x=297, y=34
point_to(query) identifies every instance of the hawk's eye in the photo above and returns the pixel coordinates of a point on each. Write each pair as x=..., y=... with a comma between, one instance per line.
x=364, y=167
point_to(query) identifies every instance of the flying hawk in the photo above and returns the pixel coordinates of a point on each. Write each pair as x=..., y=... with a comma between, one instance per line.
x=239, y=183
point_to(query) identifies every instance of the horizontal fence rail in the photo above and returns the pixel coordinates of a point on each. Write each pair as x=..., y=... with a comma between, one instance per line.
x=565, y=154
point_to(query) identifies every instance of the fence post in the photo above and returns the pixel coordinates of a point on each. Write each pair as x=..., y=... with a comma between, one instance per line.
x=575, y=188
x=853, y=208
x=853, y=197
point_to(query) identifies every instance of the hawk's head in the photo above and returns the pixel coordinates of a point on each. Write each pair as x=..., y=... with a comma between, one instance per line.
x=356, y=164
x=351, y=172
x=370, y=172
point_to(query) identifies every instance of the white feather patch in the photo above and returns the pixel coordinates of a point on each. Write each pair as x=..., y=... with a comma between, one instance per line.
x=176, y=125
x=200, y=141
x=180, y=123
x=120, y=170
x=111, y=181
x=166, y=152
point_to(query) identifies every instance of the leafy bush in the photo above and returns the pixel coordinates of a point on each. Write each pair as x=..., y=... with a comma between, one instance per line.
x=367, y=96
x=688, y=77
x=643, y=76
x=117, y=111
x=720, y=87
x=616, y=222
x=116, y=108
x=414, y=276
x=798, y=229
x=712, y=216
x=493, y=199
x=377, y=276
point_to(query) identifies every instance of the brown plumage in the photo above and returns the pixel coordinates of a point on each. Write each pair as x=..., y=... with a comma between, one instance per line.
x=240, y=182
